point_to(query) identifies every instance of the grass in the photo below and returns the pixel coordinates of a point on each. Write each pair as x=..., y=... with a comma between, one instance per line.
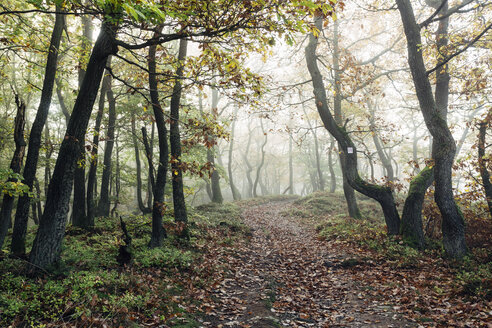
x=88, y=288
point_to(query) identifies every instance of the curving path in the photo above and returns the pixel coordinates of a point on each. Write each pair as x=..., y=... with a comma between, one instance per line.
x=286, y=277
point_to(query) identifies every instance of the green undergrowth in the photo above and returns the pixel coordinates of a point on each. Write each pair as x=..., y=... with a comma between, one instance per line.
x=324, y=204
x=89, y=288
x=472, y=275
x=265, y=199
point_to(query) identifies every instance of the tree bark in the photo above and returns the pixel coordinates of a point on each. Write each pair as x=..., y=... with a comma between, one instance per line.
x=444, y=147
x=47, y=244
x=104, y=201
x=348, y=152
x=180, y=214
x=18, y=246
x=15, y=166
x=158, y=232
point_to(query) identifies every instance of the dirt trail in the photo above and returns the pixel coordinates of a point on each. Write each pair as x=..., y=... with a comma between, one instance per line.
x=286, y=277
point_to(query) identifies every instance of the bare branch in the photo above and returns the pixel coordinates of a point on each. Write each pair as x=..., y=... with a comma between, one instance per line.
x=434, y=14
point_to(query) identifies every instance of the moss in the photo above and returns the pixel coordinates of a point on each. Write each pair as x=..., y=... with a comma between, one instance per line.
x=418, y=185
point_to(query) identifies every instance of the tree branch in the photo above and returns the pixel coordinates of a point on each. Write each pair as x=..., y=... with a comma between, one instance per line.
x=434, y=14
x=446, y=60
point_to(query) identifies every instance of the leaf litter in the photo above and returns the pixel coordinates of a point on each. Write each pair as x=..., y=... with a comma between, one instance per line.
x=284, y=276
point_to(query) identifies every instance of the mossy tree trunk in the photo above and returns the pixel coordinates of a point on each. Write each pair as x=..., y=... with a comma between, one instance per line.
x=444, y=147
x=347, y=148
x=411, y=218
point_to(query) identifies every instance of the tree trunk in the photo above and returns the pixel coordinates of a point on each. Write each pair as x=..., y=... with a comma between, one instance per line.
x=92, y=176
x=348, y=190
x=148, y=154
x=158, y=232
x=411, y=218
x=482, y=162
x=117, y=180
x=291, y=165
x=236, y=195
x=138, y=165
x=444, y=148
x=215, y=177
x=321, y=179
x=333, y=177
x=249, y=167
x=104, y=201
x=48, y=145
x=15, y=166
x=79, y=198
x=385, y=159
x=180, y=214
x=262, y=161
x=38, y=202
x=412, y=211
x=61, y=101
x=319, y=172
x=79, y=193
x=348, y=152
x=22, y=214
x=47, y=244
x=150, y=171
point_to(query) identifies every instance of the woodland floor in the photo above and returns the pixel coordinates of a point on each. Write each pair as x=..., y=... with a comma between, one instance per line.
x=265, y=262
x=285, y=276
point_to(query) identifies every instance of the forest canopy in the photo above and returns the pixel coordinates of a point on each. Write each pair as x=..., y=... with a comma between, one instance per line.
x=116, y=107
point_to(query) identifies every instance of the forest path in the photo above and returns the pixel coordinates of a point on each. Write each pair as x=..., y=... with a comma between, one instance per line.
x=286, y=277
